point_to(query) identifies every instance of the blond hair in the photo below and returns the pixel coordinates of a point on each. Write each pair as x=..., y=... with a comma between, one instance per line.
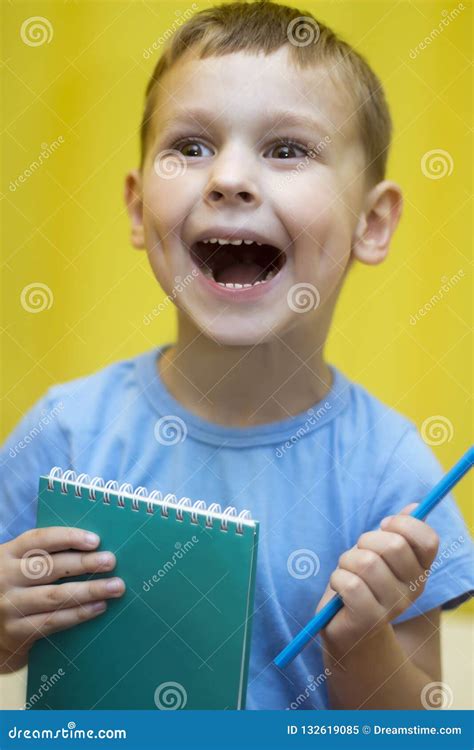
x=264, y=26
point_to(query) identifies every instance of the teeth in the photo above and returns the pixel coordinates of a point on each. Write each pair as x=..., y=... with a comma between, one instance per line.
x=234, y=286
x=244, y=286
x=213, y=240
x=270, y=275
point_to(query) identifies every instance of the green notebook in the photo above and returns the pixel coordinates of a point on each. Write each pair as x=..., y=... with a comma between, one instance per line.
x=179, y=637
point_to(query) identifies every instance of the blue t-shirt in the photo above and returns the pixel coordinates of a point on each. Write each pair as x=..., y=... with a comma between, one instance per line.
x=315, y=482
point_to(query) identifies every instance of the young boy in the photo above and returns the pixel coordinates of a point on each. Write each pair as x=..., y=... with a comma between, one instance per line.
x=261, y=181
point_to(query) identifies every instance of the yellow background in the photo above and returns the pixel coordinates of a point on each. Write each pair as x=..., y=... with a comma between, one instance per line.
x=66, y=225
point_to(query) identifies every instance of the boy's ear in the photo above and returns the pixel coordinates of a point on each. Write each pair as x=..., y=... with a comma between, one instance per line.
x=377, y=223
x=134, y=203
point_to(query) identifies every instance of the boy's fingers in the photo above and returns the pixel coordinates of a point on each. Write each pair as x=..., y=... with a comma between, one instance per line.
x=54, y=539
x=38, y=570
x=422, y=538
x=408, y=508
x=395, y=550
x=328, y=594
x=29, y=629
x=28, y=601
x=376, y=574
x=361, y=604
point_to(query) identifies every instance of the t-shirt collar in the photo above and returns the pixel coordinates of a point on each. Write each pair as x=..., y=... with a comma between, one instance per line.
x=279, y=432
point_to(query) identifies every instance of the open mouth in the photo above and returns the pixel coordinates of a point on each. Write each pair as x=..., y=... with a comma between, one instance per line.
x=237, y=263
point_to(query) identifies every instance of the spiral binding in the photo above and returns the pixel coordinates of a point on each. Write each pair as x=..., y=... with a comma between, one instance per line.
x=153, y=499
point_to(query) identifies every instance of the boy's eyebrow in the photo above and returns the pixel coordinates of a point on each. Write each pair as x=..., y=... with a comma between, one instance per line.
x=273, y=119
x=288, y=117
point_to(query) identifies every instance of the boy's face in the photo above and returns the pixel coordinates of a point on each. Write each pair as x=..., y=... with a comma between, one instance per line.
x=231, y=177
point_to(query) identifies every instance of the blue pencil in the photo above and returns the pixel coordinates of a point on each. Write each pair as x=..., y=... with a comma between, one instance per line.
x=325, y=615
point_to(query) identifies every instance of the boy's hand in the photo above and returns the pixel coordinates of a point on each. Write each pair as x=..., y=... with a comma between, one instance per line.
x=31, y=604
x=379, y=578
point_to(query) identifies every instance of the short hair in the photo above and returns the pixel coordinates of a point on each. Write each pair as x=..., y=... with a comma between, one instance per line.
x=265, y=26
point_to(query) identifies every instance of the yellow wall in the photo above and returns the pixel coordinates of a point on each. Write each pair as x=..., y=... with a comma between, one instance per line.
x=65, y=225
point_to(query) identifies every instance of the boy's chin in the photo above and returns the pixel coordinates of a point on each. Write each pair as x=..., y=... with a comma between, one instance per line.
x=241, y=333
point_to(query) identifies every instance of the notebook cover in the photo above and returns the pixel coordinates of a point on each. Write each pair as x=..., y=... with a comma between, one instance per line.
x=179, y=638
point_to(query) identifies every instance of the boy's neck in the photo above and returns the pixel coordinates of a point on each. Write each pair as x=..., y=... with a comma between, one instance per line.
x=246, y=385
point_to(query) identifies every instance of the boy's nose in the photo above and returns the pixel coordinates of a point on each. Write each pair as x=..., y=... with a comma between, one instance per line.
x=231, y=196
x=233, y=189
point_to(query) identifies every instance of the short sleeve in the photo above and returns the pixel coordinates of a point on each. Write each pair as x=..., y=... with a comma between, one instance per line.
x=411, y=473
x=31, y=450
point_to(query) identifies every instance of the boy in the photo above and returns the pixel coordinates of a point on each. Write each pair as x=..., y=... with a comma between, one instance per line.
x=261, y=181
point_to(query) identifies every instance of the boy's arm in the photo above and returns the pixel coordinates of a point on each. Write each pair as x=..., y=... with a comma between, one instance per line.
x=421, y=642
x=388, y=670
x=372, y=663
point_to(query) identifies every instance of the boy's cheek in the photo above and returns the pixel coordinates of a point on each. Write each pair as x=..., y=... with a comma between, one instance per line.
x=321, y=260
x=172, y=199
x=162, y=270
x=323, y=239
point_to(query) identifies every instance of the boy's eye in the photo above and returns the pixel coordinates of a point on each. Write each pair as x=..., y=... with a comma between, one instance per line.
x=191, y=148
x=286, y=150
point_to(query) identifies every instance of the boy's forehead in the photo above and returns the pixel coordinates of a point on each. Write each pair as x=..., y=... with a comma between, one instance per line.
x=241, y=88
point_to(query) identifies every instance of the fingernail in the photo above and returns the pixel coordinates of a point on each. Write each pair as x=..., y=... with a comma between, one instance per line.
x=385, y=521
x=105, y=559
x=114, y=585
x=91, y=539
x=98, y=606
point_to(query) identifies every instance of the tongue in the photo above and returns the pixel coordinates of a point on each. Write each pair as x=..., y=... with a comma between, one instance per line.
x=239, y=273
